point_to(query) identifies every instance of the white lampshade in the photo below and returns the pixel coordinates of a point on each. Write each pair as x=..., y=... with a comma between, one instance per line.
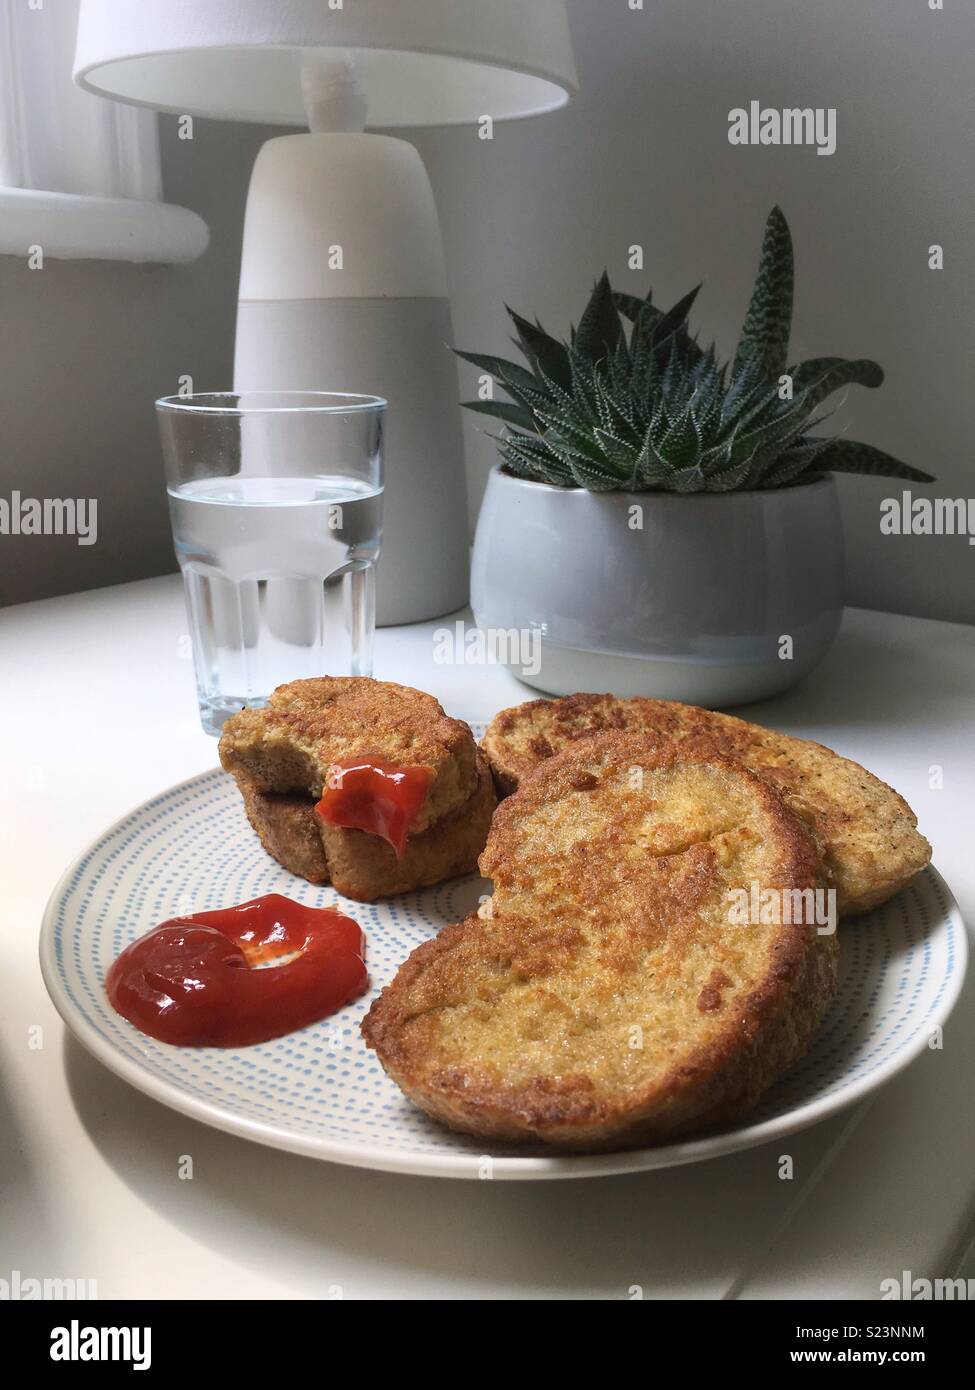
x=423, y=62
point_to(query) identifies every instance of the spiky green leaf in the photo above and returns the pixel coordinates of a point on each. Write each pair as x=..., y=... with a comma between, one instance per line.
x=673, y=324
x=768, y=323
x=821, y=376
x=850, y=456
x=630, y=305
x=504, y=410
x=499, y=367
x=655, y=411
x=600, y=331
x=543, y=353
x=796, y=463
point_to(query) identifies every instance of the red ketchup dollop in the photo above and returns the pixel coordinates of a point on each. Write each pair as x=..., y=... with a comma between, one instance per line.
x=369, y=794
x=194, y=981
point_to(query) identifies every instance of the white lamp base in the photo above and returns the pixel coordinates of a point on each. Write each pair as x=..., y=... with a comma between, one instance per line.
x=375, y=320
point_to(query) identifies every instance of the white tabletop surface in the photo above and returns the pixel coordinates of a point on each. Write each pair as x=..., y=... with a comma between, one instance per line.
x=98, y=714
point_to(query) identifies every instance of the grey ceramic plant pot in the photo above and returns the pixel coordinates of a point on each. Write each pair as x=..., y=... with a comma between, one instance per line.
x=714, y=599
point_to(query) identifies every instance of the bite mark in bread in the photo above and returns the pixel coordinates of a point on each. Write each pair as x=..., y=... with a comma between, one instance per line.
x=280, y=757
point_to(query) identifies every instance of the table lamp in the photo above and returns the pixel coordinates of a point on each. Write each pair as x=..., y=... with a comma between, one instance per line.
x=343, y=286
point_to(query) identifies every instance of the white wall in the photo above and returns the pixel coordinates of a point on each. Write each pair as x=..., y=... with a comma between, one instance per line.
x=532, y=217
x=643, y=156
x=85, y=349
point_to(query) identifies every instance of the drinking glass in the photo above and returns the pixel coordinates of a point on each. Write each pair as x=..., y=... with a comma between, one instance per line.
x=276, y=506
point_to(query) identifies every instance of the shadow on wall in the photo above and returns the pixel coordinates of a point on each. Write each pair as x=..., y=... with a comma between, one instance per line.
x=87, y=347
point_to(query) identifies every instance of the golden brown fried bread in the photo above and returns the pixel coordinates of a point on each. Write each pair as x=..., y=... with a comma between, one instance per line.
x=363, y=866
x=280, y=757
x=604, y=997
x=870, y=842
x=287, y=827
x=309, y=725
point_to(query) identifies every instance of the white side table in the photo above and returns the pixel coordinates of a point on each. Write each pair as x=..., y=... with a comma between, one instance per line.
x=99, y=713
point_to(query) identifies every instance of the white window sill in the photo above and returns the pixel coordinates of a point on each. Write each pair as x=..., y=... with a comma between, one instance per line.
x=68, y=226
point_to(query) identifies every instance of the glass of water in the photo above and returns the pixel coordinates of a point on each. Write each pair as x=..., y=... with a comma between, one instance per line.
x=276, y=505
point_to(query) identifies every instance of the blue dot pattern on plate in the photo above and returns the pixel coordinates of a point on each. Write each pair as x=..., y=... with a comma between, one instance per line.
x=191, y=848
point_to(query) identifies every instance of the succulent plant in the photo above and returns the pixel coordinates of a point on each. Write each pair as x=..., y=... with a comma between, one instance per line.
x=633, y=402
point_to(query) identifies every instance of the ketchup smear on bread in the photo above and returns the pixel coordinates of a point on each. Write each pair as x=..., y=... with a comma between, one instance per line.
x=376, y=796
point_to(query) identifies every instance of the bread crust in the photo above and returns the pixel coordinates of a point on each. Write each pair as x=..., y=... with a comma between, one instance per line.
x=287, y=827
x=516, y=1024
x=869, y=837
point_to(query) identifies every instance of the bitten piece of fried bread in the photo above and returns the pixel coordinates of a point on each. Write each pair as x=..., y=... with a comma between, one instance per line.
x=363, y=866
x=604, y=998
x=280, y=757
x=306, y=726
x=870, y=841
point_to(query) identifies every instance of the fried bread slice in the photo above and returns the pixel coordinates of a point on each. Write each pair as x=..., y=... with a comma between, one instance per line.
x=604, y=998
x=287, y=827
x=870, y=841
x=310, y=724
x=362, y=866
x=281, y=758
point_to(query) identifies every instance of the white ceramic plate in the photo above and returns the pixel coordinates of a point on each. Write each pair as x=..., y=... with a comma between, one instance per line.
x=320, y=1092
